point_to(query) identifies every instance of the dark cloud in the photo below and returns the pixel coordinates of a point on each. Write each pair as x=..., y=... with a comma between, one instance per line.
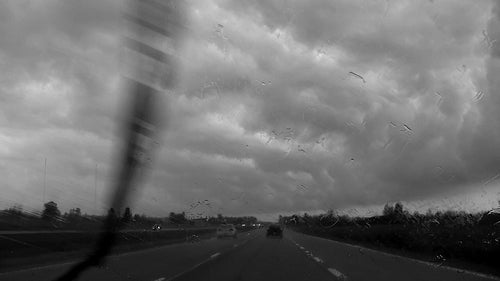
x=282, y=106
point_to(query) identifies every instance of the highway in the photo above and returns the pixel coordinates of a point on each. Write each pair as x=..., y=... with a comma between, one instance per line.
x=252, y=256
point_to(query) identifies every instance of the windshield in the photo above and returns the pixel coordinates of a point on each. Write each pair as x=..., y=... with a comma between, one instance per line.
x=161, y=139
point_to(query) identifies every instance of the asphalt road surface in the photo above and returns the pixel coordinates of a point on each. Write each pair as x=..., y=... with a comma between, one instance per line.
x=254, y=257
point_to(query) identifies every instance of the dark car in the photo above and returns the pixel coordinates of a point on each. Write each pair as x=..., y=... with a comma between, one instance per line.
x=274, y=230
x=226, y=230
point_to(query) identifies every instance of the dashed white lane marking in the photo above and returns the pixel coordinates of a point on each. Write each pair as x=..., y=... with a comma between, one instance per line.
x=462, y=271
x=337, y=274
x=188, y=270
x=200, y=264
x=318, y=259
x=333, y=271
x=160, y=279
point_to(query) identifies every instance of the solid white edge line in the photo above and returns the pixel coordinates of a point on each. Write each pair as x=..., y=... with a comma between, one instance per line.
x=160, y=279
x=458, y=270
x=214, y=255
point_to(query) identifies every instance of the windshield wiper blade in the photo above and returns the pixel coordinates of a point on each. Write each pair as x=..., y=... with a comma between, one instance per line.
x=140, y=128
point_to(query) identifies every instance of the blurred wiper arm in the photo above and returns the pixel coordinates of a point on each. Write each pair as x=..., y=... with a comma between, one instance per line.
x=142, y=124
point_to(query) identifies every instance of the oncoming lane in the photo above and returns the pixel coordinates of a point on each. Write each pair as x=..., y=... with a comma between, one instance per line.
x=151, y=264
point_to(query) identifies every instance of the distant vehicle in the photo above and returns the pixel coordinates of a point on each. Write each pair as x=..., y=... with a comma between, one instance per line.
x=274, y=230
x=156, y=227
x=226, y=230
x=193, y=238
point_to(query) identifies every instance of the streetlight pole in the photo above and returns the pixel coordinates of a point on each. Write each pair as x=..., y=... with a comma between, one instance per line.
x=44, y=180
x=95, y=190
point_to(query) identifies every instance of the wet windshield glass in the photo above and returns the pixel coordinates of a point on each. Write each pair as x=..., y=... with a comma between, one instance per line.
x=161, y=140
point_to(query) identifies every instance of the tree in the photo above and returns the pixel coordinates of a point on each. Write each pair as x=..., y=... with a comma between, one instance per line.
x=74, y=217
x=137, y=217
x=388, y=210
x=127, y=215
x=75, y=212
x=398, y=209
x=112, y=214
x=50, y=211
x=177, y=218
x=15, y=211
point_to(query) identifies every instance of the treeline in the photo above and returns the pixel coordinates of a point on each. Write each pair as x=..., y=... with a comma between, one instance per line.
x=181, y=218
x=397, y=215
x=441, y=236
x=50, y=217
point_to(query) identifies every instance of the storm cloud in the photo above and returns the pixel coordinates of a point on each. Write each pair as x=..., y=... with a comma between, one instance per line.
x=282, y=106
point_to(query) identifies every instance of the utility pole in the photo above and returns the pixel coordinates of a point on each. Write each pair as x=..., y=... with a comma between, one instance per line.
x=44, y=180
x=95, y=190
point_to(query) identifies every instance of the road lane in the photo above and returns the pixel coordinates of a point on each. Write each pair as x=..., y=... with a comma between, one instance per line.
x=150, y=264
x=358, y=263
x=261, y=259
x=254, y=257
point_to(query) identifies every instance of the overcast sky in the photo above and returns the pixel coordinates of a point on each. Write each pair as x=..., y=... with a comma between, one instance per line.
x=282, y=106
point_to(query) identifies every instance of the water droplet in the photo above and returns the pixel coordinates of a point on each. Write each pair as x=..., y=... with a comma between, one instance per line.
x=488, y=40
x=479, y=95
x=357, y=76
x=492, y=179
